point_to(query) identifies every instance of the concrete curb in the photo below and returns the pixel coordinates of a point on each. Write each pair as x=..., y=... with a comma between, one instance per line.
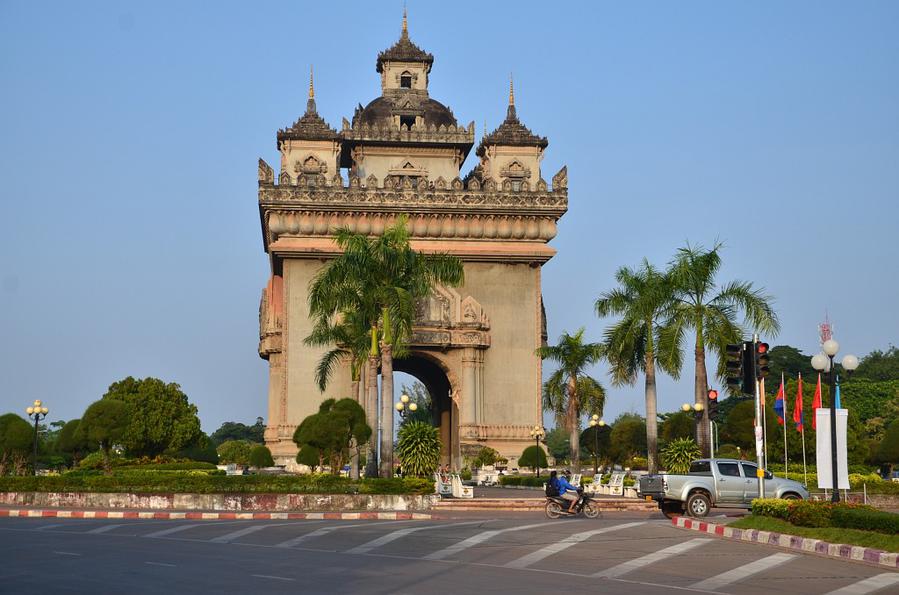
x=212, y=516
x=808, y=545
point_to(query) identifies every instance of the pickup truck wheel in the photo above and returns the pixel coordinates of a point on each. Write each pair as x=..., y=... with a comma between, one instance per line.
x=790, y=496
x=698, y=505
x=672, y=509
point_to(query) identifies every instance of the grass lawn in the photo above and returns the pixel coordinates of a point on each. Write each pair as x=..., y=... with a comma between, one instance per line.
x=881, y=541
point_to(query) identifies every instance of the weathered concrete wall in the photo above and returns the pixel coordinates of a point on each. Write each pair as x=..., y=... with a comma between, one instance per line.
x=229, y=502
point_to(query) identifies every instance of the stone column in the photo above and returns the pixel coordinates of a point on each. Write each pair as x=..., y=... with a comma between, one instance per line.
x=445, y=446
x=469, y=388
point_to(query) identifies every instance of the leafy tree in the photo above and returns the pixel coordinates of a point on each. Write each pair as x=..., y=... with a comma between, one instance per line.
x=161, y=416
x=261, y=456
x=573, y=356
x=418, y=447
x=71, y=441
x=872, y=400
x=235, y=452
x=880, y=365
x=331, y=430
x=105, y=422
x=635, y=343
x=679, y=424
x=419, y=395
x=888, y=452
x=597, y=442
x=711, y=313
x=678, y=454
x=15, y=443
x=628, y=437
x=309, y=456
x=377, y=281
x=532, y=456
x=204, y=450
x=558, y=444
x=486, y=457
x=789, y=361
x=231, y=430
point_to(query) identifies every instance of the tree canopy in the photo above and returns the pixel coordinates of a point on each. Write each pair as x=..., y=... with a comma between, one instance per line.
x=330, y=431
x=232, y=430
x=880, y=365
x=161, y=416
x=105, y=422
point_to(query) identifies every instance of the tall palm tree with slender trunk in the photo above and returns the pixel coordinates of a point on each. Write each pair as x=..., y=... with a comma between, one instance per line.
x=573, y=357
x=381, y=278
x=633, y=344
x=711, y=312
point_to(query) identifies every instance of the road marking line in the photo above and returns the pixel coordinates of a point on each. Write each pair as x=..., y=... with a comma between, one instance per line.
x=45, y=527
x=742, y=572
x=171, y=530
x=637, y=563
x=160, y=564
x=476, y=539
x=559, y=546
x=104, y=528
x=229, y=537
x=67, y=553
x=869, y=585
x=325, y=531
x=277, y=578
x=385, y=539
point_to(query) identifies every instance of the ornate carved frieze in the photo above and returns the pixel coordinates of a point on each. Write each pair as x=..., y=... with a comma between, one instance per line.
x=497, y=432
x=441, y=225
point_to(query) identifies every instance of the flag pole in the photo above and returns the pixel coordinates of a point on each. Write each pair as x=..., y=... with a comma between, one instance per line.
x=786, y=417
x=764, y=420
x=804, y=466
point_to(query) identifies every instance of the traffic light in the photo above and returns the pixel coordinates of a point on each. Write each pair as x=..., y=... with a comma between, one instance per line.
x=734, y=366
x=761, y=360
x=749, y=353
x=713, y=404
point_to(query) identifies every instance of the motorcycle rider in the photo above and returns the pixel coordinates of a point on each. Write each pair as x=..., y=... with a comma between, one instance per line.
x=565, y=489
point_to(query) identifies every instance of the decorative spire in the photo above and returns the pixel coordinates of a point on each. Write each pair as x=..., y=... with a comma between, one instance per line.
x=405, y=23
x=510, y=112
x=404, y=50
x=310, y=103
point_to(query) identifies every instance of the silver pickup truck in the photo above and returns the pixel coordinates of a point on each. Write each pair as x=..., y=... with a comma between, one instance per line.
x=724, y=483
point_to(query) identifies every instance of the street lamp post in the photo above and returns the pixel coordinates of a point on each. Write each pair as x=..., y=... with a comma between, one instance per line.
x=823, y=362
x=596, y=423
x=38, y=412
x=404, y=405
x=537, y=434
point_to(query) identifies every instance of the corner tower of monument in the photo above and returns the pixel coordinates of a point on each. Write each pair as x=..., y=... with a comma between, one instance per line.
x=402, y=155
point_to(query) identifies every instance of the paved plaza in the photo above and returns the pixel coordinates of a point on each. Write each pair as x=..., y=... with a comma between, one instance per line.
x=502, y=553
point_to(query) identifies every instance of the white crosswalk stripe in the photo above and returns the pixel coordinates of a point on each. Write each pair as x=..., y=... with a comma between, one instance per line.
x=171, y=530
x=324, y=531
x=560, y=546
x=869, y=585
x=385, y=539
x=229, y=537
x=636, y=564
x=476, y=539
x=743, y=572
x=104, y=528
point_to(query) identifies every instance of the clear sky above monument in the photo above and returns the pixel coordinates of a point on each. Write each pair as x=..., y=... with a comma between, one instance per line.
x=129, y=136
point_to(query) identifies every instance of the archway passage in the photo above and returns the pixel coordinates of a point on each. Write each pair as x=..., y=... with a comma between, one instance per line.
x=427, y=370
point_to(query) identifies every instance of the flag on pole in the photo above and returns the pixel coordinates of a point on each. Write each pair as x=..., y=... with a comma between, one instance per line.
x=797, y=410
x=816, y=402
x=836, y=399
x=779, y=403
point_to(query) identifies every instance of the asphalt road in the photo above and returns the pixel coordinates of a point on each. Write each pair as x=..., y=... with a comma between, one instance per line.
x=519, y=553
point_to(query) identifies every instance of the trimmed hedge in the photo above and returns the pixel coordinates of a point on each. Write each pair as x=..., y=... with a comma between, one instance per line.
x=200, y=482
x=522, y=480
x=842, y=515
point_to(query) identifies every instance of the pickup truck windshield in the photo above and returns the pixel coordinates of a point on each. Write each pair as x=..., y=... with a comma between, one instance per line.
x=701, y=468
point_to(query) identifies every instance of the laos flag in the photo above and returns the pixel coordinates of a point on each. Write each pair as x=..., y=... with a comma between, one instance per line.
x=779, y=402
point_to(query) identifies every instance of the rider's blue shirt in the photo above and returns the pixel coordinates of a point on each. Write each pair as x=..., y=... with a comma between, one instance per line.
x=564, y=485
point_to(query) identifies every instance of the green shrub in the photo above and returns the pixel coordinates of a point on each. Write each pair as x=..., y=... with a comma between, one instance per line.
x=522, y=480
x=866, y=519
x=678, y=454
x=809, y=514
x=261, y=456
x=418, y=447
x=465, y=474
x=532, y=456
x=235, y=452
x=772, y=507
x=637, y=463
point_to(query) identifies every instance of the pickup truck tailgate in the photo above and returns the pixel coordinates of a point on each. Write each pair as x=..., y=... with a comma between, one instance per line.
x=651, y=484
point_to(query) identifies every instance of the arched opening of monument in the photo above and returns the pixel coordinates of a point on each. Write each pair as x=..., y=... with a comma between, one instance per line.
x=424, y=368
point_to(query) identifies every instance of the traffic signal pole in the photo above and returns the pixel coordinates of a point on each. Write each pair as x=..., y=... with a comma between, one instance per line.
x=759, y=412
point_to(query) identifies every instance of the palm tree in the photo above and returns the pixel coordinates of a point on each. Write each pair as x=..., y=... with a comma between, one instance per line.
x=711, y=313
x=380, y=279
x=573, y=357
x=590, y=392
x=634, y=344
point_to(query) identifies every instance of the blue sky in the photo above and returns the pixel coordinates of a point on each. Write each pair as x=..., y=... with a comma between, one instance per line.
x=129, y=135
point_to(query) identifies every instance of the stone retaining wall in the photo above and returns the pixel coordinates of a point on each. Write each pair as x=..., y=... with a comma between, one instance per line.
x=215, y=502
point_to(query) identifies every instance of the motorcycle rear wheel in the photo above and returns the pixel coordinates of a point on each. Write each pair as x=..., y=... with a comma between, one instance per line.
x=591, y=510
x=553, y=510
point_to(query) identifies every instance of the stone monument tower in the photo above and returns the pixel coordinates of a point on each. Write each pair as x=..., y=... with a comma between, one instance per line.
x=402, y=154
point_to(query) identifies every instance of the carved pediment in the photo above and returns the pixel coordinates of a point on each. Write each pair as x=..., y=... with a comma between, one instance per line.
x=515, y=169
x=445, y=318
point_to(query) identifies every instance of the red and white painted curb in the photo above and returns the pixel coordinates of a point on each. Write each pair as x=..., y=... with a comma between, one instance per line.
x=793, y=542
x=212, y=516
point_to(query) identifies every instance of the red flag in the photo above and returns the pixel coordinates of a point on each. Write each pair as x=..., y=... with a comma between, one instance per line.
x=797, y=409
x=816, y=402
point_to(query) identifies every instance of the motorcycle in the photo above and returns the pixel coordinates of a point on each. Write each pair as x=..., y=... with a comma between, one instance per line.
x=557, y=506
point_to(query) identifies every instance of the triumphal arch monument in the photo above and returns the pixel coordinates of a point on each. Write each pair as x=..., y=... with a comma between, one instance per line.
x=403, y=154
